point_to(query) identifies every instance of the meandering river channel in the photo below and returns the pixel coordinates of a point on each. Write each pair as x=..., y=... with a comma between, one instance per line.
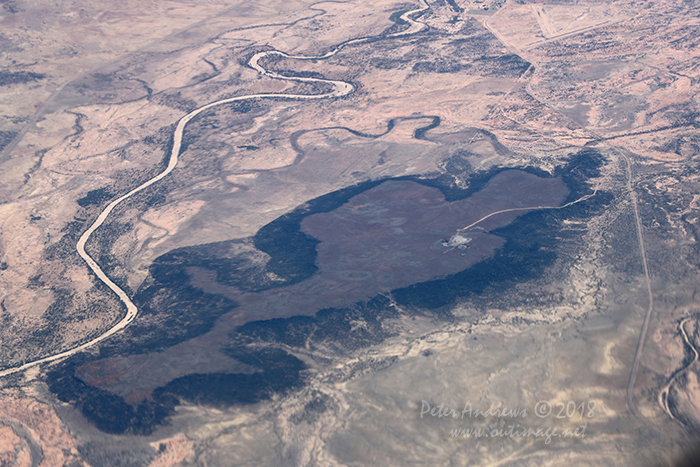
x=340, y=89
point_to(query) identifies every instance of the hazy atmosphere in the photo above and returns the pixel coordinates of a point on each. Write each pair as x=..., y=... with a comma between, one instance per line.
x=349, y=233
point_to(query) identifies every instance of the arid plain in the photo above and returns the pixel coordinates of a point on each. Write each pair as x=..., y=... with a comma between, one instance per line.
x=294, y=307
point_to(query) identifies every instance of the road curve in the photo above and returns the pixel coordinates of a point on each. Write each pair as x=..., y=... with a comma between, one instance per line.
x=340, y=89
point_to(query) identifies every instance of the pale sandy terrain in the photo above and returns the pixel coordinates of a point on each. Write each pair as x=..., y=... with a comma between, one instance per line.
x=32, y=434
x=115, y=80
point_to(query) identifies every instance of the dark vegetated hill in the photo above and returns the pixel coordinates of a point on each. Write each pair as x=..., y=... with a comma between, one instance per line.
x=531, y=246
x=98, y=196
x=6, y=138
x=336, y=329
x=168, y=314
x=173, y=310
x=279, y=372
x=531, y=241
x=8, y=78
x=107, y=411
